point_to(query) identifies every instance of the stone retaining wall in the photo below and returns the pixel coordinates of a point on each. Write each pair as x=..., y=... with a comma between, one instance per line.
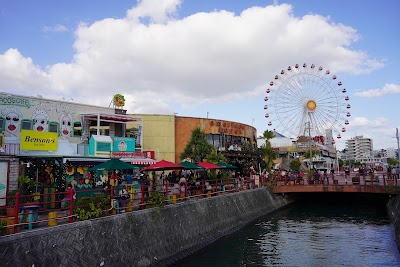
x=394, y=215
x=139, y=238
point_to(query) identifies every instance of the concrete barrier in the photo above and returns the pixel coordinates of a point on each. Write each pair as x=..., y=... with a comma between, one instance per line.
x=393, y=208
x=140, y=238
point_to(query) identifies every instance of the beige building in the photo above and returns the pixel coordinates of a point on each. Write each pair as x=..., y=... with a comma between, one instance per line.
x=168, y=135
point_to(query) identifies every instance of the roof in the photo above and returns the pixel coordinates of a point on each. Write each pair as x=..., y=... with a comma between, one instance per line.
x=111, y=117
x=276, y=134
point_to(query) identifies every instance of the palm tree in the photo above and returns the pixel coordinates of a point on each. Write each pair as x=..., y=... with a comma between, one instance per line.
x=267, y=151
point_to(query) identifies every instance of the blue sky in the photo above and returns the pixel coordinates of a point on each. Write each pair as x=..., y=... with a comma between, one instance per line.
x=209, y=57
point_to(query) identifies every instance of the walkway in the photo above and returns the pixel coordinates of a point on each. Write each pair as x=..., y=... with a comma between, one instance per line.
x=378, y=183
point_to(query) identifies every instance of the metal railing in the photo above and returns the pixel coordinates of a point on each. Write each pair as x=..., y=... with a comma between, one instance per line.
x=354, y=178
x=48, y=209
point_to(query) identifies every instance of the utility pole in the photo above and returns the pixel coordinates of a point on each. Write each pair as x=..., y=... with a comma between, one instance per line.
x=398, y=147
x=309, y=143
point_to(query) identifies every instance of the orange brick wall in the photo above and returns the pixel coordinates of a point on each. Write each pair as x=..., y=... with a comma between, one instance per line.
x=185, y=125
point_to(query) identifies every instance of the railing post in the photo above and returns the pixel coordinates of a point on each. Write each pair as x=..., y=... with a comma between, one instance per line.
x=16, y=212
x=202, y=188
x=216, y=187
x=166, y=191
x=384, y=180
x=71, y=205
x=186, y=190
x=142, y=198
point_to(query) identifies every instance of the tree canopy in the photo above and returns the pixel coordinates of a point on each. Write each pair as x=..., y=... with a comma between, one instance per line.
x=392, y=162
x=215, y=157
x=198, y=147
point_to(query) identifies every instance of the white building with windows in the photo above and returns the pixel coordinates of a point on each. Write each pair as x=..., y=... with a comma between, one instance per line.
x=359, y=148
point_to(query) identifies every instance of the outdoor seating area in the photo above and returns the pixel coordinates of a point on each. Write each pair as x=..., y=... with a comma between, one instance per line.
x=19, y=215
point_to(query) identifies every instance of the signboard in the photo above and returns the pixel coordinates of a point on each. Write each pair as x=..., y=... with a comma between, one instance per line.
x=34, y=140
x=3, y=182
x=145, y=154
x=123, y=144
x=119, y=100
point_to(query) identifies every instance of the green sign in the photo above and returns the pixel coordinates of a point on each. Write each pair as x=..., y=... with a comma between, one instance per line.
x=15, y=100
x=123, y=144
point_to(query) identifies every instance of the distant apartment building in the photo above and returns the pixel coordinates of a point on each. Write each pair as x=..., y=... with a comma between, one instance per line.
x=359, y=148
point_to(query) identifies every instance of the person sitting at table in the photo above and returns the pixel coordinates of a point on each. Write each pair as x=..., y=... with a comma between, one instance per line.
x=123, y=198
x=70, y=191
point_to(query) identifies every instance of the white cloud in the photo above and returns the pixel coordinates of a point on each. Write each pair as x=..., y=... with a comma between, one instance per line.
x=19, y=73
x=157, y=11
x=389, y=88
x=359, y=122
x=56, y=28
x=200, y=59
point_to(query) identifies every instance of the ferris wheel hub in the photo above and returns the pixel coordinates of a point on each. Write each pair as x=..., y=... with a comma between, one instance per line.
x=311, y=105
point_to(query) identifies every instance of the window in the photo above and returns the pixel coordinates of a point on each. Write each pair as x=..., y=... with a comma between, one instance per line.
x=210, y=139
x=103, y=147
x=26, y=124
x=77, y=129
x=131, y=132
x=216, y=140
x=53, y=127
x=2, y=123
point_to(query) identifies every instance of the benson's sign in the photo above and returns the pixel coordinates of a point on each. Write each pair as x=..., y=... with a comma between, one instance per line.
x=34, y=140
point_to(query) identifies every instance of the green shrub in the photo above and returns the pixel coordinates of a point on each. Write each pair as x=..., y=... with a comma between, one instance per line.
x=156, y=201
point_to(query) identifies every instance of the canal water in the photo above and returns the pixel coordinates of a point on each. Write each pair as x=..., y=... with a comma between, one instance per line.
x=317, y=231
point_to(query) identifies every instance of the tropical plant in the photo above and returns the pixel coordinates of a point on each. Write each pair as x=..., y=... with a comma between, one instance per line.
x=212, y=175
x=11, y=197
x=198, y=147
x=393, y=189
x=27, y=188
x=86, y=209
x=310, y=175
x=89, y=212
x=3, y=223
x=267, y=151
x=157, y=201
x=392, y=162
x=215, y=157
x=294, y=165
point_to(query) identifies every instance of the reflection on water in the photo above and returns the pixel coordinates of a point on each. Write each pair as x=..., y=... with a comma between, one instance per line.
x=314, y=232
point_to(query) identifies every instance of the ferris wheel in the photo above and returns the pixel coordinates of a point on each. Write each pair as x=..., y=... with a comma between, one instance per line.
x=307, y=101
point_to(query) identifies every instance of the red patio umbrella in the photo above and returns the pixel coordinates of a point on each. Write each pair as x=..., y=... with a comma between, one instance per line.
x=208, y=165
x=163, y=165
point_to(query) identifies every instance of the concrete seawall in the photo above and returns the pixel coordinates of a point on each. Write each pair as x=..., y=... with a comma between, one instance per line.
x=393, y=208
x=140, y=238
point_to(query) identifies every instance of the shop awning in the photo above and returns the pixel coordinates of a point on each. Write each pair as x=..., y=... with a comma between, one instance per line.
x=140, y=161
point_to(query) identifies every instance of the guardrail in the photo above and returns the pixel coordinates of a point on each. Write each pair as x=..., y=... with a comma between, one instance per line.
x=382, y=179
x=23, y=212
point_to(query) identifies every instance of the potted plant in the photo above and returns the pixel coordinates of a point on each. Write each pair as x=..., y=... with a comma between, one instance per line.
x=27, y=188
x=3, y=228
x=310, y=176
x=11, y=203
